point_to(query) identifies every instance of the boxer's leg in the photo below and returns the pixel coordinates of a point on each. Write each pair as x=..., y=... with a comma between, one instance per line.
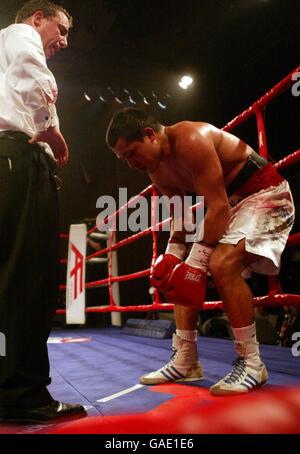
x=184, y=364
x=226, y=265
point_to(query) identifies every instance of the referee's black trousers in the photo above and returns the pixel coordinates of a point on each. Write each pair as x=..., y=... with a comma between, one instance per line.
x=29, y=245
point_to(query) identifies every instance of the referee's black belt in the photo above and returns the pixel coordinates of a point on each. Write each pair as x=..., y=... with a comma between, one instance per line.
x=19, y=136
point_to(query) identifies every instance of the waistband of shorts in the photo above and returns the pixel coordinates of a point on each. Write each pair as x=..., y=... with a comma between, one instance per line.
x=253, y=164
x=263, y=178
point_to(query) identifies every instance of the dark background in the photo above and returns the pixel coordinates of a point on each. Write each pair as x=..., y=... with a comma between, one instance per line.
x=235, y=49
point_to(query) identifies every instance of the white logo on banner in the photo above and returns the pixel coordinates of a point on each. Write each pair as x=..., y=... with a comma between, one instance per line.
x=76, y=274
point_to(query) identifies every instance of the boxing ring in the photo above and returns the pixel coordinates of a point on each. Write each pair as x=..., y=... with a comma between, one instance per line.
x=274, y=409
x=100, y=368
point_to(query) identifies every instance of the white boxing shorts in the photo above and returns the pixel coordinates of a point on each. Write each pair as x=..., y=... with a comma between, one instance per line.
x=264, y=219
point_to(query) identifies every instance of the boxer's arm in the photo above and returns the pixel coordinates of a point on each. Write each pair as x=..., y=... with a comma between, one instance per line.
x=181, y=216
x=200, y=156
x=187, y=282
x=176, y=249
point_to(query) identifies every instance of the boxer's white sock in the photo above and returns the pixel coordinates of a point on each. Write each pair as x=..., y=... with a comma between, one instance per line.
x=187, y=335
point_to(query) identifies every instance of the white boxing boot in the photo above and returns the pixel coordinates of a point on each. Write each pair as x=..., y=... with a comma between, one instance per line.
x=183, y=366
x=248, y=372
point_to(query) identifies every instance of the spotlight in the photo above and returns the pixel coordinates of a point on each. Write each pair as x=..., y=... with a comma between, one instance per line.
x=87, y=97
x=161, y=105
x=132, y=101
x=185, y=82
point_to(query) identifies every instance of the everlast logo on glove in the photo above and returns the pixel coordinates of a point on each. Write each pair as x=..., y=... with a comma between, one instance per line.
x=190, y=276
x=186, y=286
x=183, y=283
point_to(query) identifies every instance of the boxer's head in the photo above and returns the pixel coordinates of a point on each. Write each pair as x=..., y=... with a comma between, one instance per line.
x=133, y=135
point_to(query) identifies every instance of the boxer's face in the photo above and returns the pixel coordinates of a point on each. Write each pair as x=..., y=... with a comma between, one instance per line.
x=53, y=31
x=139, y=155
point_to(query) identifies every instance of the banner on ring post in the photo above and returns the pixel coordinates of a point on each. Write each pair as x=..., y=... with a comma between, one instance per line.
x=75, y=293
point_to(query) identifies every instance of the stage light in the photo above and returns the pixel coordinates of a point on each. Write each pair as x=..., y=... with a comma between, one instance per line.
x=132, y=101
x=87, y=97
x=185, y=82
x=161, y=105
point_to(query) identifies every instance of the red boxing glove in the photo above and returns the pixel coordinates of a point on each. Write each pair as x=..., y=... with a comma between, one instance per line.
x=186, y=286
x=162, y=269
